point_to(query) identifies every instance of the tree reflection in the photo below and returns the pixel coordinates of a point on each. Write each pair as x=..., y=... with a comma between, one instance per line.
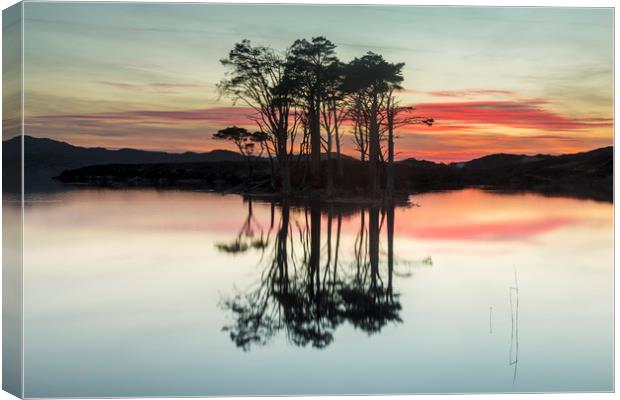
x=306, y=290
x=369, y=303
x=251, y=236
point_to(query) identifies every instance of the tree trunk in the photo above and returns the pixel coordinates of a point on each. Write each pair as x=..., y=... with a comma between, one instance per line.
x=273, y=170
x=284, y=164
x=305, y=154
x=358, y=127
x=338, y=158
x=390, y=165
x=285, y=172
x=330, y=174
x=315, y=138
x=373, y=156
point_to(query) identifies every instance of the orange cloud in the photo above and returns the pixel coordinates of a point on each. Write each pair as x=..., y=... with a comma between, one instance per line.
x=462, y=130
x=448, y=146
x=529, y=114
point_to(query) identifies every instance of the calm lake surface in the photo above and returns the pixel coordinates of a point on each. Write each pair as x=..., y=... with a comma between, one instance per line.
x=146, y=292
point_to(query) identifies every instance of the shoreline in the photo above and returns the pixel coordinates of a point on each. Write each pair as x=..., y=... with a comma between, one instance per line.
x=597, y=192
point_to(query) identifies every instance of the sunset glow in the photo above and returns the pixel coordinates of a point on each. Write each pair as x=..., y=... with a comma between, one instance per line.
x=512, y=80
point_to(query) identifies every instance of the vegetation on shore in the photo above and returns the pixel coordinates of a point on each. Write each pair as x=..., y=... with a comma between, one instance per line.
x=302, y=99
x=585, y=175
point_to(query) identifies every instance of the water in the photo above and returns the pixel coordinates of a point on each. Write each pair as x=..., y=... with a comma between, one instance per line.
x=145, y=292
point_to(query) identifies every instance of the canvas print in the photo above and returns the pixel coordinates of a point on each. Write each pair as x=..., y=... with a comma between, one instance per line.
x=243, y=199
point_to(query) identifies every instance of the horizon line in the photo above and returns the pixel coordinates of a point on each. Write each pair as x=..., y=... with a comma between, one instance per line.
x=346, y=155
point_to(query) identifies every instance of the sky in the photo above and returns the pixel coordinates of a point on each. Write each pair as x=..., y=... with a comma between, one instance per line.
x=512, y=80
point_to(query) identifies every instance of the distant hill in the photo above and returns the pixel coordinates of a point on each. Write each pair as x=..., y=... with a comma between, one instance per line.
x=598, y=159
x=591, y=165
x=46, y=158
x=587, y=174
x=596, y=163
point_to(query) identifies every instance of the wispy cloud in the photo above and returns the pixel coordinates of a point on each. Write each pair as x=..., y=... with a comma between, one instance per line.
x=529, y=114
x=221, y=115
x=471, y=93
x=450, y=146
x=462, y=131
x=151, y=85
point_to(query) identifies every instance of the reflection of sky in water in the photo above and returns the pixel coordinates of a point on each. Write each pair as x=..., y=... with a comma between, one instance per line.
x=123, y=293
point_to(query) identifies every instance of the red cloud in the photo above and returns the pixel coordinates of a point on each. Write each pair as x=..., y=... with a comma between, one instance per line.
x=450, y=116
x=462, y=130
x=516, y=114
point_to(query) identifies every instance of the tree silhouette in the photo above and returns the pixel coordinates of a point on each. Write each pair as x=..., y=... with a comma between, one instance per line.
x=333, y=112
x=393, y=110
x=307, y=90
x=256, y=76
x=371, y=79
x=307, y=299
x=308, y=62
x=245, y=141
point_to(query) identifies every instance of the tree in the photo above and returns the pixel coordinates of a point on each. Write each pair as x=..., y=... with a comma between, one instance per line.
x=307, y=89
x=308, y=62
x=371, y=79
x=360, y=123
x=256, y=77
x=333, y=112
x=241, y=137
x=392, y=111
x=245, y=141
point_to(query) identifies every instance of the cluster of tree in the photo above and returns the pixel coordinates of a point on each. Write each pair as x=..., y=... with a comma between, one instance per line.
x=307, y=288
x=302, y=97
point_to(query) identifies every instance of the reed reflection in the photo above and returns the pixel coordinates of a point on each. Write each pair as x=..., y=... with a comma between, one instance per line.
x=307, y=288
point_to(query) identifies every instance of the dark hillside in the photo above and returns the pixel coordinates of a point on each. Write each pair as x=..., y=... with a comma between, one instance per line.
x=587, y=174
x=46, y=158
